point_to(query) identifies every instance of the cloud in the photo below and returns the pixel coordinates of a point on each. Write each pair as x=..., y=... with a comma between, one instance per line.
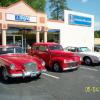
x=97, y=26
x=84, y=1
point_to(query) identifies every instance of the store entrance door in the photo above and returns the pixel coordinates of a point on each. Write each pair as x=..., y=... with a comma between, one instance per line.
x=15, y=39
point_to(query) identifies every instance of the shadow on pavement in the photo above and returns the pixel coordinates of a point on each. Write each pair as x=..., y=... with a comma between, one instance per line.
x=93, y=65
x=18, y=80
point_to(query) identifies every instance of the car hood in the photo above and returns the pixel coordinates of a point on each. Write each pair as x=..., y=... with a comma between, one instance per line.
x=61, y=53
x=18, y=59
x=92, y=53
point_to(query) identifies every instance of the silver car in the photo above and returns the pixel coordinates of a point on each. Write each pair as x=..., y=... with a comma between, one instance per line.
x=87, y=56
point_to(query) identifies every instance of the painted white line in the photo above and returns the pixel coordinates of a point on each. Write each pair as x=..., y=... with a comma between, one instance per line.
x=89, y=68
x=51, y=75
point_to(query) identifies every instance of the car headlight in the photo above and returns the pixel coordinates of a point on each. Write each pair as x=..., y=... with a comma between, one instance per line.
x=80, y=58
x=12, y=66
x=65, y=61
x=43, y=62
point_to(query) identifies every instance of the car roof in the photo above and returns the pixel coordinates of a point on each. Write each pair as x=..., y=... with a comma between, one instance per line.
x=7, y=46
x=46, y=43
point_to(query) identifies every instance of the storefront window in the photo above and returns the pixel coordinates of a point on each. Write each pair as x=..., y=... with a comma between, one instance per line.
x=0, y=37
x=10, y=40
x=54, y=36
x=0, y=31
x=21, y=36
x=13, y=30
x=41, y=37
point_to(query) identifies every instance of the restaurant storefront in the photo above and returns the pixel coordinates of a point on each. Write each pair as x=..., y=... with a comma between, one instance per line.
x=21, y=25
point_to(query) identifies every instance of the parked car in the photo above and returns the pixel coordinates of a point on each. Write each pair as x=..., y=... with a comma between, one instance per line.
x=55, y=57
x=14, y=63
x=87, y=56
x=97, y=48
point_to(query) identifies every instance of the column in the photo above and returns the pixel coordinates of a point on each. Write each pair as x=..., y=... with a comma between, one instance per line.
x=4, y=37
x=45, y=36
x=37, y=36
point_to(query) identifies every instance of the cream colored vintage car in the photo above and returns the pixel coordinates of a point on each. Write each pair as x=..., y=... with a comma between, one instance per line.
x=87, y=56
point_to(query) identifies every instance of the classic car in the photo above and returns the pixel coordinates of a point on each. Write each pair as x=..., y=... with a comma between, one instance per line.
x=55, y=57
x=87, y=56
x=14, y=63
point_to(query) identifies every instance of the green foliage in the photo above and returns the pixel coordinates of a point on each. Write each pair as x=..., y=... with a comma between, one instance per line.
x=38, y=5
x=97, y=34
x=5, y=3
x=57, y=8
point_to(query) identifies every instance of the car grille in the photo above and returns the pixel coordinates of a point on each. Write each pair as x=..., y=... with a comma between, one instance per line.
x=72, y=64
x=31, y=66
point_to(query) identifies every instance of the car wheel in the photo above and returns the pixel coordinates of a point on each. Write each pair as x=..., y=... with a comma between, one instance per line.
x=38, y=76
x=87, y=61
x=5, y=74
x=57, y=67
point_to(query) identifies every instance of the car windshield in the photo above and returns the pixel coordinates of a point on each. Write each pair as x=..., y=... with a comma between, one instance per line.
x=5, y=50
x=83, y=49
x=55, y=47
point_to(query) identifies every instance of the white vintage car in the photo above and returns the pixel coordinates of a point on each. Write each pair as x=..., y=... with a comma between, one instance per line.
x=87, y=56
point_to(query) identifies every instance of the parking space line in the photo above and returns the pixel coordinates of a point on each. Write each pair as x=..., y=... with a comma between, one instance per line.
x=89, y=68
x=51, y=75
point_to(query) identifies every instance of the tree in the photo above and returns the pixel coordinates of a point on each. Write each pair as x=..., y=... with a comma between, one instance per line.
x=97, y=34
x=38, y=5
x=5, y=3
x=57, y=8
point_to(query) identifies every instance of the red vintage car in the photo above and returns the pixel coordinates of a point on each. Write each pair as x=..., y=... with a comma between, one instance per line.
x=55, y=57
x=15, y=63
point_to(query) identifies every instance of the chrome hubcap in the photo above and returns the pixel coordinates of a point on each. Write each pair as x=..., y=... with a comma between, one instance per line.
x=5, y=74
x=56, y=67
x=87, y=61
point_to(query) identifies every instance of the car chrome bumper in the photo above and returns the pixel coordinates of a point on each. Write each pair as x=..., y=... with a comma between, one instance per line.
x=43, y=71
x=25, y=74
x=69, y=68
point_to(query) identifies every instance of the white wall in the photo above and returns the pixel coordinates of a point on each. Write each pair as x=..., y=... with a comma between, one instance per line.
x=75, y=35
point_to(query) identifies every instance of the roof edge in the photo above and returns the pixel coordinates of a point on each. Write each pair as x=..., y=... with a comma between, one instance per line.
x=58, y=21
x=13, y=4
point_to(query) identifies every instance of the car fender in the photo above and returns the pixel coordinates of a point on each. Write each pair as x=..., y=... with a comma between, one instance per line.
x=60, y=60
x=94, y=59
x=4, y=63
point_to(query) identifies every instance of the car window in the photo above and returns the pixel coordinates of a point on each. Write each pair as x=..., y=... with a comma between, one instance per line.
x=67, y=48
x=11, y=50
x=19, y=50
x=73, y=49
x=42, y=48
x=83, y=49
x=35, y=48
x=55, y=47
x=3, y=51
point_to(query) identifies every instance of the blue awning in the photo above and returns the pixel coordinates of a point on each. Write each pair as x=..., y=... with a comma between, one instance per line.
x=54, y=31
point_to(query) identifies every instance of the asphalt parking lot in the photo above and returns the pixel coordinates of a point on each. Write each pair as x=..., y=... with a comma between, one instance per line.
x=81, y=84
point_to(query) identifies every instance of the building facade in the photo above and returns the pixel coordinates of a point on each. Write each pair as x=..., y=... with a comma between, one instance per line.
x=18, y=19
x=20, y=24
x=77, y=29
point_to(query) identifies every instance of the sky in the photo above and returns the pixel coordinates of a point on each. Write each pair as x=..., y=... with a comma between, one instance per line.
x=87, y=6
